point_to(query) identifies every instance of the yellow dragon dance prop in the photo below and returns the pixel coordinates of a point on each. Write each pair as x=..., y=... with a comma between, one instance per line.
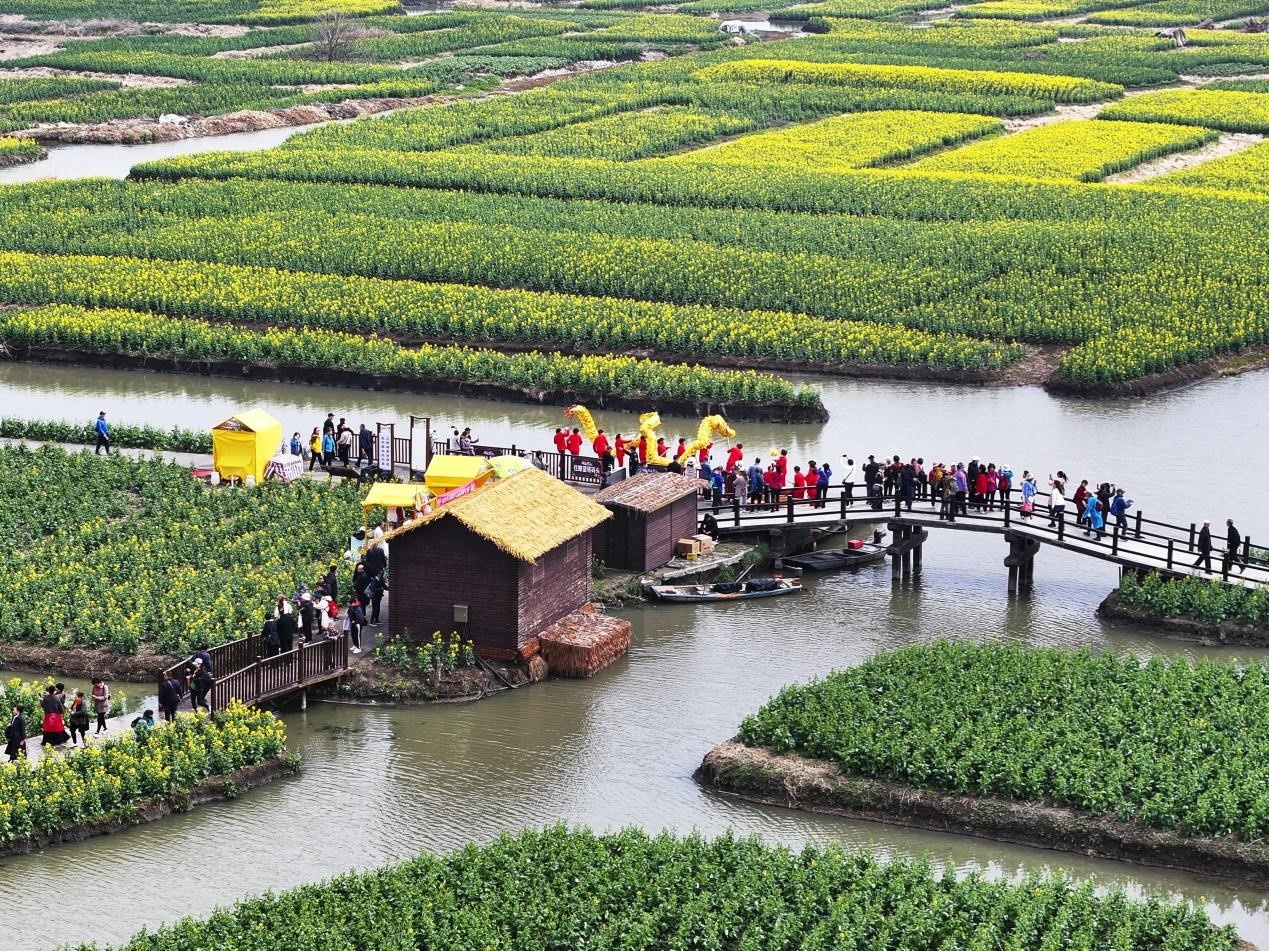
x=584, y=420
x=715, y=424
x=649, y=423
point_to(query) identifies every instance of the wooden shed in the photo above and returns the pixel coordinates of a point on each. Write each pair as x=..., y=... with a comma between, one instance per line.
x=499, y=565
x=651, y=511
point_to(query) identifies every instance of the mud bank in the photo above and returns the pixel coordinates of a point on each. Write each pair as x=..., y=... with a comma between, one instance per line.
x=278, y=373
x=376, y=683
x=1183, y=628
x=87, y=662
x=211, y=789
x=819, y=786
x=141, y=131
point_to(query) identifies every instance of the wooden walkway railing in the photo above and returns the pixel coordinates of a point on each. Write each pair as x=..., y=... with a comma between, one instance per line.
x=1145, y=544
x=241, y=671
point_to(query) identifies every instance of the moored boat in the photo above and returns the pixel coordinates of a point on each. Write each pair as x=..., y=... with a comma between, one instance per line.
x=726, y=591
x=835, y=559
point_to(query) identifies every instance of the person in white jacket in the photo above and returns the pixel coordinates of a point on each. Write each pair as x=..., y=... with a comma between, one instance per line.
x=848, y=480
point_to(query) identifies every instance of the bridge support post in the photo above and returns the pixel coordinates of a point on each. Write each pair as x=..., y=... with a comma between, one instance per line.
x=1021, y=561
x=898, y=553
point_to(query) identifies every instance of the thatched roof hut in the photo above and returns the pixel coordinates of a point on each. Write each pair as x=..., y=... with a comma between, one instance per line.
x=497, y=565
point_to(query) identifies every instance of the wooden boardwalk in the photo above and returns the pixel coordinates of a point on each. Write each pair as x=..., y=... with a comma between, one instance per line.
x=1147, y=545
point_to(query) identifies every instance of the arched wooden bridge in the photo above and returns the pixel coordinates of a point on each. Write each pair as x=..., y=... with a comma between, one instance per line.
x=1146, y=545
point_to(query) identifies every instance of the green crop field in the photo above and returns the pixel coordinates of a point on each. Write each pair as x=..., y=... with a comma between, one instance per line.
x=867, y=195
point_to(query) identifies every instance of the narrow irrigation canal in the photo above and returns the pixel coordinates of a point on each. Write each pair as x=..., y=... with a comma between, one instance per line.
x=382, y=783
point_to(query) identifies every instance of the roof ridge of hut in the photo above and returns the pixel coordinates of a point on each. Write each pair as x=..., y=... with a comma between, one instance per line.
x=648, y=491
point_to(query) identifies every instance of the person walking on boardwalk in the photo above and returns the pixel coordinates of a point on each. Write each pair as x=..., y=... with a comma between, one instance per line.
x=328, y=449
x=1233, y=546
x=946, y=489
x=200, y=684
x=1119, y=507
x=102, y=429
x=365, y=444
x=330, y=581
x=78, y=719
x=54, y=727
x=1204, y=559
x=170, y=692
x=822, y=479
x=314, y=449
x=355, y=621
x=573, y=442
x=1004, y=484
x=1080, y=497
x=15, y=735
x=1093, y=521
x=101, y=704
x=600, y=444
x=344, y=444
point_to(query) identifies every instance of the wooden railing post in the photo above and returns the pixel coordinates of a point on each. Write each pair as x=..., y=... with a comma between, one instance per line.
x=842, y=497
x=789, y=508
x=259, y=676
x=1171, y=543
x=1007, y=511
x=1114, y=541
x=1138, y=523
x=299, y=665
x=1062, y=527
x=735, y=511
x=1192, y=529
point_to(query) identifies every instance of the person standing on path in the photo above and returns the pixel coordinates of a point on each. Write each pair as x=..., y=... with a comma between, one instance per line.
x=848, y=481
x=344, y=445
x=101, y=704
x=1028, y=495
x=286, y=624
x=314, y=449
x=54, y=728
x=1119, y=507
x=1233, y=546
x=297, y=447
x=1057, y=500
x=79, y=719
x=365, y=445
x=15, y=735
x=573, y=442
x=356, y=621
x=102, y=428
x=1204, y=559
x=330, y=581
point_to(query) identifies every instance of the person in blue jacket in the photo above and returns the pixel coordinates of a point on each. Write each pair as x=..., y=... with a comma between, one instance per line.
x=1093, y=521
x=102, y=429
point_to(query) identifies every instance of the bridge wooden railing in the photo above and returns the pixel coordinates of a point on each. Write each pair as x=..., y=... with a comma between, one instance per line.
x=1144, y=542
x=259, y=678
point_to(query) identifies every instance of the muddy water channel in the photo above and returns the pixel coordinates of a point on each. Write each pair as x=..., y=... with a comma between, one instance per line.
x=115, y=161
x=381, y=783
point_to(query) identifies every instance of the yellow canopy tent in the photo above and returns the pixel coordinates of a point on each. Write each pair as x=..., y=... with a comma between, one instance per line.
x=396, y=495
x=242, y=445
x=450, y=472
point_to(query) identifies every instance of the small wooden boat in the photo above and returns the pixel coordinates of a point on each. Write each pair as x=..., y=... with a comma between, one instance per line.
x=731, y=591
x=835, y=559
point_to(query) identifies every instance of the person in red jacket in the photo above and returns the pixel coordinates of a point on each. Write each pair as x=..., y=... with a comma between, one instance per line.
x=799, y=483
x=561, y=441
x=574, y=441
x=769, y=482
x=735, y=456
x=703, y=455
x=782, y=466
x=661, y=446
x=619, y=446
x=680, y=448
x=643, y=450
x=600, y=444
